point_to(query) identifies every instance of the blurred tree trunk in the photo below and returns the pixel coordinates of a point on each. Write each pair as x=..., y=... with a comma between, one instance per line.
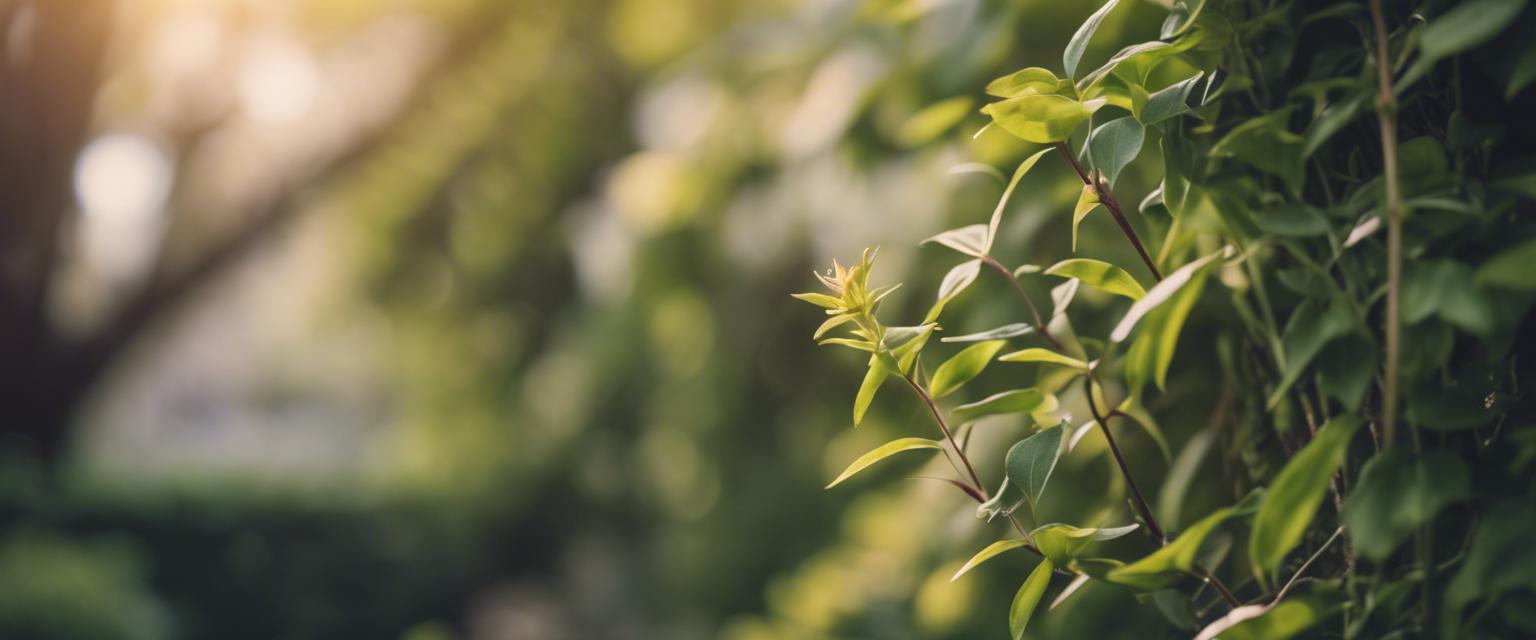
x=50, y=67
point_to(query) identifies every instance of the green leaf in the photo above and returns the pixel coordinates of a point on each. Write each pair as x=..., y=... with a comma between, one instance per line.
x=1397, y=493
x=1063, y=543
x=1145, y=56
x=1181, y=16
x=988, y=553
x=1272, y=621
x=1087, y=200
x=1181, y=474
x=872, y=380
x=1099, y=275
x=1114, y=144
x=1464, y=27
x=1296, y=221
x=1309, y=330
x=1029, y=81
x=1169, y=102
x=970, y=240
x=1030, y=462
x=1013, y=330
x=819, y=299
x=1297, y=491
x=1444, y=288
x=1002, y=203
x=933, y=121
x=1171, y=562
x=882, y=452
x=1264, y=143
x=1346, y=369
x=1028, y=597
x=1500, y=561
x=1007, y=500
x=955, y=282
x=905, y=351
x=1079, y=42
x=1015, y=401
x=1511, y=268
x=962, y=367
x=1039, y=354
x=1158, y=294
x=1041, y=119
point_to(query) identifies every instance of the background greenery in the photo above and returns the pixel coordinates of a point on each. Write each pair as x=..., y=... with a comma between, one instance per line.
x=490, y=338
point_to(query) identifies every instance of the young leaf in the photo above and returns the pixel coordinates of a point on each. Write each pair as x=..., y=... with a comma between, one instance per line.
x=962, y=367
x=905, y=351
x=1086, y=202
x=1397, y=493
x=1181, y=16
x=872, y=380
x=1027, y=81
x=1006, y=331
x=1297, y=492
x=992, y=550
x=1028, y=597
x=1015, y=401
x=1063, y=543
x=1144, y=56
x=1079, y=42
x=956, y=281
x=970, y=240
x=1159, y=294
x=1169, y=102
x=1152, y=352
x=1042, y=119
x=1002, y=203
x=1030, y=462
x=1114, y=144
x=1039, y=354
x=1166, y=565
x=1003, y=503
x=882, y=452
x=1099, y=275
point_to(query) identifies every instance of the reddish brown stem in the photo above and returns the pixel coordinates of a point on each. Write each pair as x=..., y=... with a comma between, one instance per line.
x=1107, y=198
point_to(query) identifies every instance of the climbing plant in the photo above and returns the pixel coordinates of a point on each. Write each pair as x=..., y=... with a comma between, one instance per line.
x=1348, y=188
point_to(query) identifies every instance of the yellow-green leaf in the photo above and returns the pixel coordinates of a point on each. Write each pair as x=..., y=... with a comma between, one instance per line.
x=988, y=553
x=1297, y=492
x=1063, y=543
x=1040, y=354
x=933, y=121
x=1099, y=275
x=882, y=452
x=1024, y=82
x=960, y=369
x=1002, y=203
x=1086, y=202
x=1015, y=401
x=1028, y=597
x=1041, y=118
x=872, y=380
x=1166, y=565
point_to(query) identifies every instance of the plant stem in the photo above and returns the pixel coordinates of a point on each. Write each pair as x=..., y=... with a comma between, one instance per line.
x=1107, y=198
x=1386, y=116
x=1153, y=529
x=1033, y=310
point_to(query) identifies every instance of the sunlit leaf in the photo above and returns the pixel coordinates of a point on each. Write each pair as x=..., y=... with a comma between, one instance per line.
x=1087, y=201
x=1015, y=401
x=1175, y=559
x=1079, y=42
x=1028, y=597
x=1297, y=491
x=1114, y=144
x=1030, y=462
x=970, y=240
x=1099, y=275
x=872, y=380
x=991, y=551
x=1063, y=543
x=882, y=452
x=1006, y=331
x=1028, y=81
x=1159, y=294
x=1002, y=203
x=1397, y=493
x=1039, y=354
x=935, y=119
x=962, y=367
x=906, y=350
x=1146, y=54
x=1038, y=118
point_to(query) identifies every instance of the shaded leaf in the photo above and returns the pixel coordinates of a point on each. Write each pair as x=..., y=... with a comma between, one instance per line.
x=1030, y=462
x=882, y=452
x=1174, y=560
x=1297, y=221
x=933, y=120
x=1511, y=268
x=1002, y=203
x=1309, y=330
x=1006, y=331
x=1169, y=102
x=1465, y=26
x=1114, y=144
x=1397, y=493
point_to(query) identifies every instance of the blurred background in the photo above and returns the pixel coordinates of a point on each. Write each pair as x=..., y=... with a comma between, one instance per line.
x=436, y=319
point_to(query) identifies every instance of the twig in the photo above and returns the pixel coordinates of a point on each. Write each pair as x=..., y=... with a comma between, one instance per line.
x=1034, y=311
x=1153, y=528
x=1386, y=116
x=1107, y=198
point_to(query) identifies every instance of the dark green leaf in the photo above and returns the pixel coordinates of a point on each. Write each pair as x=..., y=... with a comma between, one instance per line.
x=1297, y=221
x=1513, y=268
x=1464, y=27
x=1030, y=462
x=1113, y=145
x=1079, y=41
x=1309, y=330
x=1169, y=102
x=1397, y=493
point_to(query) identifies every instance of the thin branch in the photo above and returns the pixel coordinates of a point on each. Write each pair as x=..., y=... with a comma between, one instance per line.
x=1034, y=311
x=1386, y=116
x=1107, y=198
x=1153, y=529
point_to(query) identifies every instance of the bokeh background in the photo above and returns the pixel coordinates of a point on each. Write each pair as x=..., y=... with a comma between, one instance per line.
x=438, y=319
